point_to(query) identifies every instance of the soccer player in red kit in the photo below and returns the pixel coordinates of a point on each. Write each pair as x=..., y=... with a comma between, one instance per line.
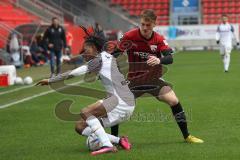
x=147, y=53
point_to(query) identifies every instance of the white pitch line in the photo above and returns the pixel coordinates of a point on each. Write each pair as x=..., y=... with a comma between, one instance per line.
x=26, y=99
x=16, y=89
x=35, y=96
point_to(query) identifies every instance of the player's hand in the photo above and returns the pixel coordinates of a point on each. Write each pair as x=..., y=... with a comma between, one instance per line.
x=42, y=82
x=217, y=42
x=153, y=61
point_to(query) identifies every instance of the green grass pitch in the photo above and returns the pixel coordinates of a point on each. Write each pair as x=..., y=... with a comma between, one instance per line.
x=210, y=97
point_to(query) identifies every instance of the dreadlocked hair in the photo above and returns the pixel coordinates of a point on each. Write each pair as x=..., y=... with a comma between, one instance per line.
x=96, y=41
x=93, y=39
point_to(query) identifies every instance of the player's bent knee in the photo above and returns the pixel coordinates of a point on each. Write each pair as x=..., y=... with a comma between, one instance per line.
x=80, y=126
x=170, y=98
x=84, y=114
x=173, y=101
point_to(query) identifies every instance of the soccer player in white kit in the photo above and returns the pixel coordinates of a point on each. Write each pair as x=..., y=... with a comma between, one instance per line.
x=224, y=37
x=114, y=109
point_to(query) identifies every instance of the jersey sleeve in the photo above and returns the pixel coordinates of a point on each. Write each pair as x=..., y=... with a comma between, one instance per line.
x=125, y=43
x=124, y=37
x=234, y=37
x=95, y=64
x=79, y=71
x=69, y=74
x=164, y=48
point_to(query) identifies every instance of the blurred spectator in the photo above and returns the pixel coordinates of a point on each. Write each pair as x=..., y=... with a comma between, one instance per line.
x=41, y=45
x=55, y=40
x=14, y=50
x=37, y=52
x=27, y=57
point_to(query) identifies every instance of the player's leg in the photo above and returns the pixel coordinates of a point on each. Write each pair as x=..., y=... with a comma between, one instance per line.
x=83, y=129
x=122, y=141
x=98, y=109
x=137, y=93
x=228, y=50
x=117, y=111
x=58, y=61
x=168, y=96
x=119, y=114
x=52, y=59
x=115, y=130
x=224, y=57
x=90, y=117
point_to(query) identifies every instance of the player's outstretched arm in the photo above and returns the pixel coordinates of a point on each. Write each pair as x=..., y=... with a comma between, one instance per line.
x=93, y=65
x=66, y=75
x=42, y=82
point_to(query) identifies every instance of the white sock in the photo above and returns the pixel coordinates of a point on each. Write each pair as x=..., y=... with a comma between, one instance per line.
x=97, y=128
x=88, y=131
x=113, y=138
x=224, y=62
x=227, y=62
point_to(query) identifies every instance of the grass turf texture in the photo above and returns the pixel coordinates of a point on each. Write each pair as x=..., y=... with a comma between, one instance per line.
x=30, y=130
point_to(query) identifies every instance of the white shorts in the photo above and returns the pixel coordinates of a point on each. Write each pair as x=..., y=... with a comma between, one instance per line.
x=225, y=49
x=118, y=114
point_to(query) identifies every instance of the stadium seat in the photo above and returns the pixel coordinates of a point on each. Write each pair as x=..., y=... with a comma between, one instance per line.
x=237, y=10
x=132, y=12
x=144, y=6
x=12, y=16
x=138, y=7
x=219, y=7
x=134, y=7
x=151, y=6
x=131, y=7
x=159, y=6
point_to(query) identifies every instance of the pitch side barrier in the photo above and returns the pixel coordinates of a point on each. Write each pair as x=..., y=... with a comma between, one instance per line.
x=192, y=37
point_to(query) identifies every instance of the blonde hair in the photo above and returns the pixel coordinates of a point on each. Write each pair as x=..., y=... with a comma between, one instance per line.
x=149, y=15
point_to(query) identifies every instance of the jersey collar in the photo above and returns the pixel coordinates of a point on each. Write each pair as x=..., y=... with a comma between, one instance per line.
x=147, y=39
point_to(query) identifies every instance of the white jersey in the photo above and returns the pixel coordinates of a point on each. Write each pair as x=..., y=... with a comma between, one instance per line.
x=120, y=102
x=225, y=34
x=113, y=81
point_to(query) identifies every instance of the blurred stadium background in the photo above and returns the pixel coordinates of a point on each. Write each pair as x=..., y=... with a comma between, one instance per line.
x=185, y=23
x=28, y=126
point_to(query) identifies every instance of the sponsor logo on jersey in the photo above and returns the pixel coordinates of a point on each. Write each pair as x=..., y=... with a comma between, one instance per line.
x=143, y=55
x=153, y=47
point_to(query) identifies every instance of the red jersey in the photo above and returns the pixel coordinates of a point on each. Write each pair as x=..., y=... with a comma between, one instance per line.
x=139, y=48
